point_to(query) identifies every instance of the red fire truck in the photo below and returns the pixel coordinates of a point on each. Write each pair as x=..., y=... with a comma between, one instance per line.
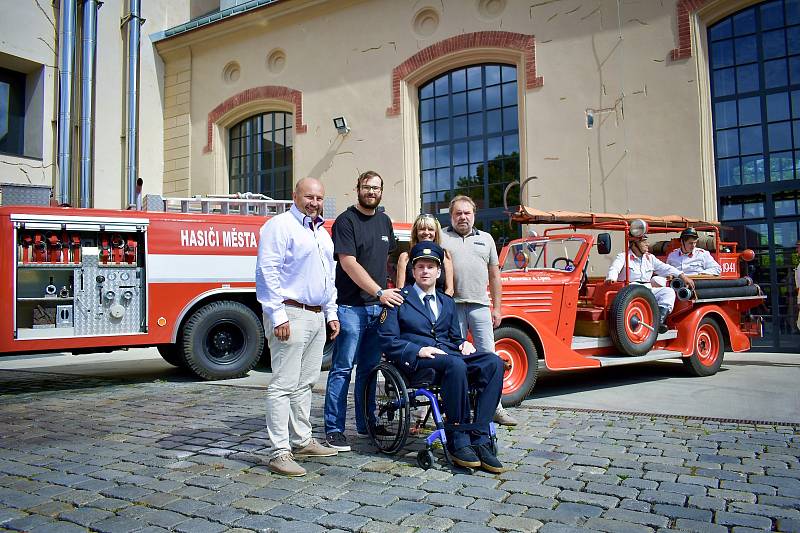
x=179, y=276
x=556, y=314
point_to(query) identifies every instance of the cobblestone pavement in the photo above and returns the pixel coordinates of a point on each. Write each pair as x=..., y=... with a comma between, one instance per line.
x=106, y=455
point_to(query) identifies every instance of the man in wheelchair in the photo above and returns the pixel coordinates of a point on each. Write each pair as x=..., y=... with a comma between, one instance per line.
x=423, y=333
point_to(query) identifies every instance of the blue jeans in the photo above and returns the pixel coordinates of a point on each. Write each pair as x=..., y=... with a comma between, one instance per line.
x=357, y=344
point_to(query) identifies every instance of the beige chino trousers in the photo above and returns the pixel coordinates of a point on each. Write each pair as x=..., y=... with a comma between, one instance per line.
x=295, y=368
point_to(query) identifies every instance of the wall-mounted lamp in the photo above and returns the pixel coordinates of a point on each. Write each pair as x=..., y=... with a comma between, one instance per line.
x=340, y=123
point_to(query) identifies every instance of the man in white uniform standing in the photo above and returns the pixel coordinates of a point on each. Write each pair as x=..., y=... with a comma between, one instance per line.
x=641, y=266
x=692, y=260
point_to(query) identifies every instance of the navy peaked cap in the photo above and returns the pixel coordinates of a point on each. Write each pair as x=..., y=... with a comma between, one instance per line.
x=427, y=250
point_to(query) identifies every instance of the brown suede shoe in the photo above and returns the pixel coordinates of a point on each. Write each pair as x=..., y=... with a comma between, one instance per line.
x=314, y=449
x=503, y=417
x=284, y=465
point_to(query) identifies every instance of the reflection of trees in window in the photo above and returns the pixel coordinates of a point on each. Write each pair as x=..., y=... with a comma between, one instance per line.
x=502, y=171
x=469, y=141
x=260, y=155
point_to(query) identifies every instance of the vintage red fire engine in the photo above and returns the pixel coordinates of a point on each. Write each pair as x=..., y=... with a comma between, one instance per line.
x=554, y=313
x=180, y=277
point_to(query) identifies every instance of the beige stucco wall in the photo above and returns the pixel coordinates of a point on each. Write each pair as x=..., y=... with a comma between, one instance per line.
x=29, y=44
x=643, y=154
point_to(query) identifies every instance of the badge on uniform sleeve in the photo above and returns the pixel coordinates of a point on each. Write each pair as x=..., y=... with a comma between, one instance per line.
x=384, y=314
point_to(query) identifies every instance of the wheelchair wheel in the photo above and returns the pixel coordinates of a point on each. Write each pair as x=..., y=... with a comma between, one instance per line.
x=392, y=416
x=425, y=459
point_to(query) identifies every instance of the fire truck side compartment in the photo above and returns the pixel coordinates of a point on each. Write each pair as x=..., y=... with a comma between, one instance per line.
x=91, y=284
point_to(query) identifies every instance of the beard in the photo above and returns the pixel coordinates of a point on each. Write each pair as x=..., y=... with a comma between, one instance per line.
x=369, y=203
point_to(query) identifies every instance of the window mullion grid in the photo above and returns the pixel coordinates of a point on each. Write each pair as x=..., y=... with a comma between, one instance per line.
x=485, y=138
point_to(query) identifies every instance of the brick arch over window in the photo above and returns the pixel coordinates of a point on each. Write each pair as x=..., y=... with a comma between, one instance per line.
x=265, y=92
x=482, y=39
x=683, y=11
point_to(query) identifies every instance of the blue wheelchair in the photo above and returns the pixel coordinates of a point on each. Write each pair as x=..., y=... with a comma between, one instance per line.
x=396, y=396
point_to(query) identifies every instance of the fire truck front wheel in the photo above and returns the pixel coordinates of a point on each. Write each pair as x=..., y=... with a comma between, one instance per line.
x=519, y=353
x=223, y=340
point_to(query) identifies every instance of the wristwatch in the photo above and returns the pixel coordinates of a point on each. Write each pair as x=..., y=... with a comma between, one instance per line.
x=379, y=294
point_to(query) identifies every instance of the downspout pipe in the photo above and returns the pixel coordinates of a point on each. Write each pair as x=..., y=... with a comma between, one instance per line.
x=66, y=63
x=87, y=119
x=134, y=22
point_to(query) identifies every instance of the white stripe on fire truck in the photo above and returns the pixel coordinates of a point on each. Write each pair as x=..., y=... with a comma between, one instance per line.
x=163, y=268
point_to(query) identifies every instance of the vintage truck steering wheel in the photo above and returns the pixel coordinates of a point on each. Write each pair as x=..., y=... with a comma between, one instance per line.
x=569, y=264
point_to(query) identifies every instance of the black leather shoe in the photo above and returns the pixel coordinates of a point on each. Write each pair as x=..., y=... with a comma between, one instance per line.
x=662, y=328
x=489, y=461
x=465, y=457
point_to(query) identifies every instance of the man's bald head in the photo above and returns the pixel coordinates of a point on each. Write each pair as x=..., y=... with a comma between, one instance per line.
x=308, y=196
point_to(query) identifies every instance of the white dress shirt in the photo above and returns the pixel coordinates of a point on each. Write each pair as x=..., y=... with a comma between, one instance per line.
x=642, y=268
x=697, y=262
x=422, y=294
x=295, y=262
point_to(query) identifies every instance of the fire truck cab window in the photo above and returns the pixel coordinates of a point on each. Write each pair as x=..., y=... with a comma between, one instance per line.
x=260, y=155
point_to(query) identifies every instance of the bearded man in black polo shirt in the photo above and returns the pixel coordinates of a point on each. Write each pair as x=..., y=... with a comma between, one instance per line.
x=362, y=240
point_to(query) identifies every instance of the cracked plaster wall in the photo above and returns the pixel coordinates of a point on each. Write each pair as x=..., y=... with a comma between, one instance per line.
x=643, y=153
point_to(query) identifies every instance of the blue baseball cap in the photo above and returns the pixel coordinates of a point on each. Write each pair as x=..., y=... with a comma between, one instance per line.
x=427, y=250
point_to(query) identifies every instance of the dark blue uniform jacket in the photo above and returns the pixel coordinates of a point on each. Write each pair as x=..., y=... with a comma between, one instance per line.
x=407, y=328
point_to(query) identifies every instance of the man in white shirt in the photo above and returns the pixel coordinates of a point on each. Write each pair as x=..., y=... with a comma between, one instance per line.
x=692, y=260
x=641, y=267
x=295, y=286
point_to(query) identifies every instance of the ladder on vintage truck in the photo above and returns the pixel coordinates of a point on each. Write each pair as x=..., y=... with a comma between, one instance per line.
x=234, y=204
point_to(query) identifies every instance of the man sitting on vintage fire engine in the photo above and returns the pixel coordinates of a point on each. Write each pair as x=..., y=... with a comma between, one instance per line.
x=692, y=260
x=641, y=266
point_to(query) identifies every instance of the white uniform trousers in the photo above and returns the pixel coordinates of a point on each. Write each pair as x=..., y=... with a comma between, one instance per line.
x=295, y=368
x=665, y=296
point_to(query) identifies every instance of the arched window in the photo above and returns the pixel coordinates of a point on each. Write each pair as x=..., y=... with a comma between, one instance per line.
x=261, y=155
x=755, y=93
x=469, y=143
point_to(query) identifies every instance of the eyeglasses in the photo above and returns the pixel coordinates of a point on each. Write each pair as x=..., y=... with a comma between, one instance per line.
x=371, y=188
x=426, y=215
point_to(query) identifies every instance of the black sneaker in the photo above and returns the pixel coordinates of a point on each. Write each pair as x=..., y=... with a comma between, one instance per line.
x=337, y=441
x=488, y=460
x=379, y=431
x=465, y=457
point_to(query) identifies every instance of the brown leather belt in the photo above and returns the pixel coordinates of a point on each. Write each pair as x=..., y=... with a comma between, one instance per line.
x=295, y=303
